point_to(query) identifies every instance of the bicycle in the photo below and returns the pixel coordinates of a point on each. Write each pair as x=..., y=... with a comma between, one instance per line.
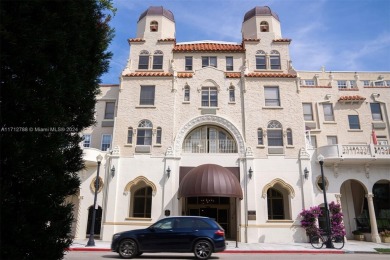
x=318, y=241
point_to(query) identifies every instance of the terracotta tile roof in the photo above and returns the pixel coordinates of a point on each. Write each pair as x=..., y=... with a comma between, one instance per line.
x=149, y=74
x=167, y=40
x=282, y=40
x=270, y=75
x=135, y=40
x=184, y=75
x=251, y=40
x=233, y=74
x=208, y=47
x=352, y=98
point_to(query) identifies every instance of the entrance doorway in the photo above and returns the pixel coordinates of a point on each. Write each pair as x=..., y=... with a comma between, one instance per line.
x=217, y=208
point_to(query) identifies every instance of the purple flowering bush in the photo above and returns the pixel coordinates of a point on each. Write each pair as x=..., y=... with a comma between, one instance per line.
x=336, y=220
x=309, y=219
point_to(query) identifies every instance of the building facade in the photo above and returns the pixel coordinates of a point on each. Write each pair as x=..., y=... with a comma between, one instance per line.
x=232, y=131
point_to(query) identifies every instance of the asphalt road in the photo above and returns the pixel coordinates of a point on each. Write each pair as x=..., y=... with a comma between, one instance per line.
x=222, y=256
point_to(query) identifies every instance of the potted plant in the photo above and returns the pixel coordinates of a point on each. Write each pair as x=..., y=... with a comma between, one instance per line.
x=385, y=236
x=358, y=235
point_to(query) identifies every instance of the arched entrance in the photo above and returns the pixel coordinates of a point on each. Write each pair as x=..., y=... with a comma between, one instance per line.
x=211, y=190
x=98, y=220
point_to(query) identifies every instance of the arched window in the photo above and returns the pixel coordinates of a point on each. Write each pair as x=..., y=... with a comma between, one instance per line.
x=264, y=27
x=143, y=63
x=261, y=61
x=158, y=135
x=232, y=96
x=187, y=93
x=130, y=135
x=142, y=202
x=158, y=60
x=153, y=26
x=274, y=133
x=144, y=133
x=209, y=139
x=275, y=204
x=275, y=60
x=260, y=140
x=289, y=137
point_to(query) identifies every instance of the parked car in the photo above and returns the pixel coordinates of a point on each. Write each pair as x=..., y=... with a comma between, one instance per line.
x=200, y=235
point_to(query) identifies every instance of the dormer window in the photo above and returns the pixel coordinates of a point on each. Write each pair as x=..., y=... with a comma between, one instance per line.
x=264, y=27
x=153, y=26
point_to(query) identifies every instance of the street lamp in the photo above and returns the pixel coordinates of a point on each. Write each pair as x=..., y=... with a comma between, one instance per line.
x=91, y=241
x=327, y=218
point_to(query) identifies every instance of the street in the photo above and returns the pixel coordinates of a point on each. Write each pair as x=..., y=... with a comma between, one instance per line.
x=247, y=256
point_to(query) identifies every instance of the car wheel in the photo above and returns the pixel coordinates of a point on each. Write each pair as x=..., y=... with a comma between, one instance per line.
x=203, y=249
x=128, y=248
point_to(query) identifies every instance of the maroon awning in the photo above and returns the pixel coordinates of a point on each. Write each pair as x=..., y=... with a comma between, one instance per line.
x=210, y=180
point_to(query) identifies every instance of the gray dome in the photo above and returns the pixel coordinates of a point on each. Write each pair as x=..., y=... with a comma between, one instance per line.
x=157, y=10
x=260, y=11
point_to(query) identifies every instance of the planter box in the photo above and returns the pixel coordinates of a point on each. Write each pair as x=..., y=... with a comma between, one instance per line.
x=385, y=239
x=359, y=237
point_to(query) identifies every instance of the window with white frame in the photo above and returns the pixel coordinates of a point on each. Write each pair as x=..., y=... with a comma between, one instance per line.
x=289, y=136
x=143, y=62
x=187, y=93
x=130, y=134
x=379, y=83
x=188, y=63
x=376, y=112
x=275, y=60
x=261, y=60
x=147, y=95
x=260, y=139
x=144, y=132
x=308, y=111
x=387, y=83
x=331, y=139
x=158, y=60
x=209, y=97
x=274, y=133
x=366, y=83
x=109, y=110
x=158, y=135
x=229, y=63
x=232, y=97
x=309, y=82
x=86, y=141
x=342, y=84
x=328, y=112
x=271, y=96
x=209, y=61
x=313, y=141
x=106, y=142
x=352, y=84
x=354, y=122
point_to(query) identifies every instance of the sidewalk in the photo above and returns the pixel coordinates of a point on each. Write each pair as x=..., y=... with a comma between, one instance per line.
x=352, y=246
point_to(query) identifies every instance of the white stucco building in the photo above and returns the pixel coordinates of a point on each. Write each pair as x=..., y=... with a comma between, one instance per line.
x=233, y=131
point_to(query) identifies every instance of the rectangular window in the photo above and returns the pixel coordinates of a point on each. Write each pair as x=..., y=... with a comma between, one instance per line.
x=130, y=135
x=275, y=137
x=328, y=112
x=313, y=141
x=332, y=139
x=379, y=83
x=106, y=142
x=342, y=84
x=158, y=135
x=353, y=122
x=271, y=96
x=289, y=137
x=144, y=136
x=260, y=140
x=366, y=83
x=376, y=111
x=187, y=94
x=147, y=95
x=110, y=110
x=388, y=83
x=307, y=111
x=232, y=97
x=209, y=97
x=275, y=62
x=209, y=61
x=309, y=82
x=229, y=63
x=352, y=84
x=143, y=63
x=86, y=141
x=157, y=62
x=188, y=65
x=261, y=63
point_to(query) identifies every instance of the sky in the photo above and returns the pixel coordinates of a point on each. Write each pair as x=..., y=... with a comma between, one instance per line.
x=341, y=35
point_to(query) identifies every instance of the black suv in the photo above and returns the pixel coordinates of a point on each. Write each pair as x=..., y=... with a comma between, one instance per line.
x=200, y=235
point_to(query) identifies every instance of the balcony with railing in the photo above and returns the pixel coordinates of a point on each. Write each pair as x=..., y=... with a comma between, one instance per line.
x=209, y=146
x=355, y=152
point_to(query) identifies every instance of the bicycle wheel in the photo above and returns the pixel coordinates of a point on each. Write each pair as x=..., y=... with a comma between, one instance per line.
x=338, y=242
x=317, y=241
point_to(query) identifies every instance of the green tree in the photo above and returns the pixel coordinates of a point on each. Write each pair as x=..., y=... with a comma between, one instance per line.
x=52, y=55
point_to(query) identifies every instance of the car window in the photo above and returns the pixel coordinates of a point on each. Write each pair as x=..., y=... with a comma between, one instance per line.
x=201, y=224
x=164, y=224
x=184, y=223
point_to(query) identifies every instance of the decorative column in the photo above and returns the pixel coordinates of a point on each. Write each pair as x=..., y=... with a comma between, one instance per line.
x=338, y=200
x=374, y=227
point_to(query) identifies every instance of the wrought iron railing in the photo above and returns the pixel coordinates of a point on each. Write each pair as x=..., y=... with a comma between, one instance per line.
x=209, y=146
